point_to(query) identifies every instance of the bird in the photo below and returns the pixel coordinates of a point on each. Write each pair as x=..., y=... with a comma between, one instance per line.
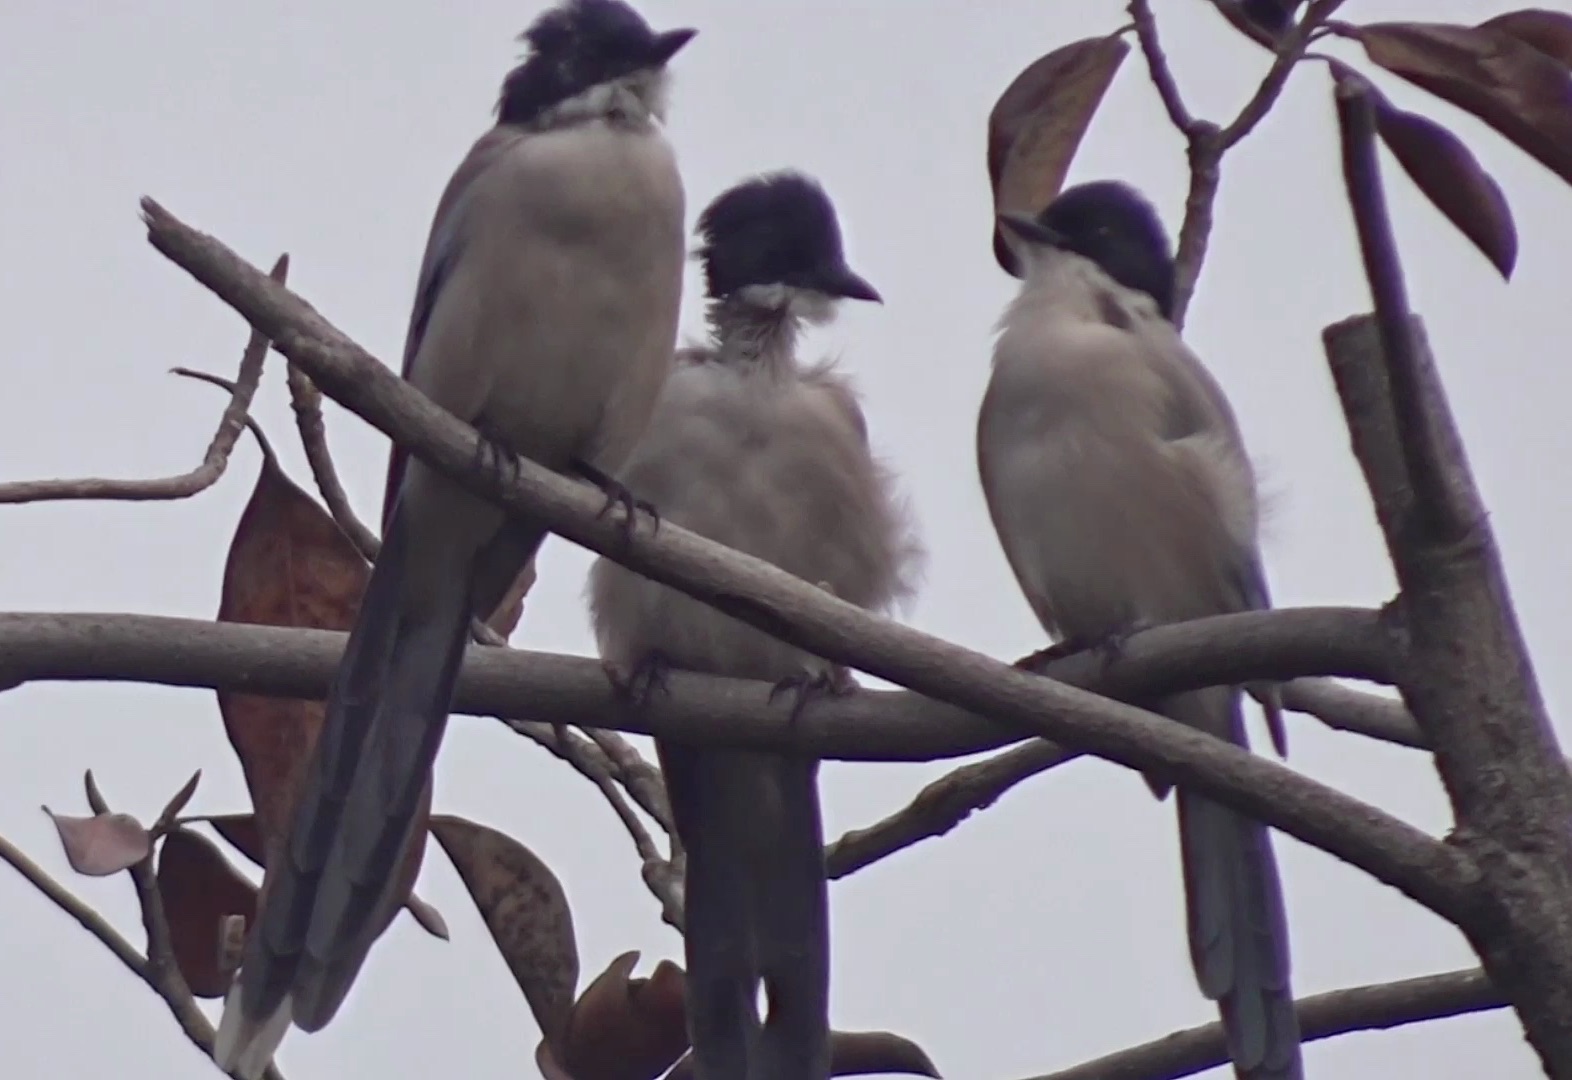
x=1119, y=486
x=757, y=450
x=545, y=315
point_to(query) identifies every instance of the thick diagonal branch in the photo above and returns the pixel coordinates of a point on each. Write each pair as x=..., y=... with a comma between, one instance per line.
x=1465, y=672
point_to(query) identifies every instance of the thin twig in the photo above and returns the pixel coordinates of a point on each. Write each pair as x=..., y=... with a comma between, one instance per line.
x=306, y=400
x=942, y=805
x=230, y=424
x=657, y=871
x=1157, y=65
x=1289, y=52
x=161, y=976
x=1323, y=1016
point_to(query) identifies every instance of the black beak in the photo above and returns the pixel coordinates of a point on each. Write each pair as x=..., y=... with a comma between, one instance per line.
x=839, y=280
x=665, y=46
x=1031, y=230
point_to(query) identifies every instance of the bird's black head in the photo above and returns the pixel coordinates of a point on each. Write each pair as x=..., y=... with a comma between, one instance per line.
x=580, y=44
x=778, y=229
x=1114, y=226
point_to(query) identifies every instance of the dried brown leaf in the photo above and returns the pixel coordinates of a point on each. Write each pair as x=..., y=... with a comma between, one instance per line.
x=103, y=844
x=289, y=565
x=1038, y=123
x=526, y=911
x=240, y=830
x=200, y=889
x=1548, y=31
x=1523, y=93
x=623, y=1028
x=1448, y=174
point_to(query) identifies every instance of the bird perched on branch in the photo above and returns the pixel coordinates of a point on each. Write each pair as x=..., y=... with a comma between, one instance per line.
x=545, y=315
x=754, y=449
x=1122, y=494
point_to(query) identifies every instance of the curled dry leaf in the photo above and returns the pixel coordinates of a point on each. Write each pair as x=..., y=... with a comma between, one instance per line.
x=1522, y=92
x=526, y=911
x=857, y=1053
x=200, y=891
x=103, y=844
x=1038, y=123
x=623, y=1028
x=1448, y=174
x=1548, y=31
x=289, y=565
x=241, y=831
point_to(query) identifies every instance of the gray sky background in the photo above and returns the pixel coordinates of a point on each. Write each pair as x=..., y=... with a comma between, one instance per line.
x=1044, y=931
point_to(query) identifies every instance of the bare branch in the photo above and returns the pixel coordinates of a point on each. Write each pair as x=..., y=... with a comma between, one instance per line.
x=525, y=687
x=306, y=400
x=943, y=805
x=1358, y=1008
x=1290, y=51
x=162, y=976
x=1344, y=709
x=1157, y=66
x=230, y=424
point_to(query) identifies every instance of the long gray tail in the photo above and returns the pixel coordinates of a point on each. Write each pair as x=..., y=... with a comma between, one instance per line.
x=757, y=911
x=337, y=886
x=1238, y=926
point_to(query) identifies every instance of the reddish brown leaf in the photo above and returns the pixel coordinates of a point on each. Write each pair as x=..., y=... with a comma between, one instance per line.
x=622, y=1028
x=289, y=565
x=199, y=890
x=526, y=911
x=240, y=830
x=1038, y=123
x=1449, y=175
x=855, y=1053
x=1548, y=31
x=103, y=844
x=1520, y=91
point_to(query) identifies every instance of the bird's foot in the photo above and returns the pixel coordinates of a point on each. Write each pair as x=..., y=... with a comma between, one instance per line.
x=495, y=456
x=807, y=685
x=1108, y=648
x=617, y=494
x=639, y=684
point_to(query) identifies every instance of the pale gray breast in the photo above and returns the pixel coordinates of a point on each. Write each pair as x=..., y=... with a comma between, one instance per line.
x=558, y=318
x=779, y=468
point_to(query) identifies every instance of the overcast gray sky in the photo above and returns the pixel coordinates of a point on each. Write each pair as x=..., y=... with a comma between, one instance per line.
x=1046, y=930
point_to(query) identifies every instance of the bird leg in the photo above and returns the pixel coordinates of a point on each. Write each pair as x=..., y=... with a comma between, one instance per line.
x=835, y=681
x=639, y=684
x=1109, y=647
x=616, y=492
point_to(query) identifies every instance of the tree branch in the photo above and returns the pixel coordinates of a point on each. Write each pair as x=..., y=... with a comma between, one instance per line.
x=230, y=424
x=306, y=400
x=801, y=614
x=1358, y=1008
x=1465, y=672
x=545, y=688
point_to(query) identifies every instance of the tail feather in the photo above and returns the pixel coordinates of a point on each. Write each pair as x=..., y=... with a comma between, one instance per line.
x=792, y=909
x=757, y=912
x=1237, y=920
x=335, y=888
